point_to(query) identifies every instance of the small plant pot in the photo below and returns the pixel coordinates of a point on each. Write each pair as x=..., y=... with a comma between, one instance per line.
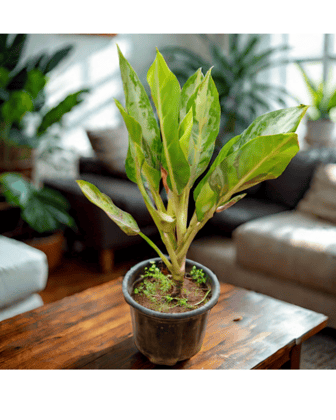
x=52, y=246
x=320, y=133
x=168, y=338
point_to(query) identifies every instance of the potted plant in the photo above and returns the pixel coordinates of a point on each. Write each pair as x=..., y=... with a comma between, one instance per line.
x=179, y=293
x=43, y=215
x=243, y=95
x=25, y=118
x=320, y=129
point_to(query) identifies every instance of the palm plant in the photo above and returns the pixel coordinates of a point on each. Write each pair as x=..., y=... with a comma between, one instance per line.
x=323, y=97
x=242, y=95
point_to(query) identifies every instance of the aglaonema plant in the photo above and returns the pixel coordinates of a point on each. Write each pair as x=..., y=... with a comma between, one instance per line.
x=177, y=150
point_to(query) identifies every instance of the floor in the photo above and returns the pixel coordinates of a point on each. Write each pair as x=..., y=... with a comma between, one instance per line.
x=77, y=273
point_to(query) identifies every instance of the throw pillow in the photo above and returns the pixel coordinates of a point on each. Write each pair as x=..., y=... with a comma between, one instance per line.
x=320, y=199
x=110, y=146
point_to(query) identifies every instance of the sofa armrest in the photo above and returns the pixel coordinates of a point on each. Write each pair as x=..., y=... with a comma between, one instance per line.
x=93, y=165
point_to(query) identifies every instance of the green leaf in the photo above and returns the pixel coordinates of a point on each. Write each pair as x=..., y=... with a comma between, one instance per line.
x=14, y=51
x=35, y=82
x=266, y=128
x=4, y=77
x=59, y=56
x=16, y=189
x=138, y=163
x=230, y=203
x=138, y=106
x=124, y=220
x=332, y=101
x=185, y=128
x=206, y=119
x=44, y=210
x=17, y=106
x=166, y=93
x=264, y=157
x=55, y=114
x=188, y=91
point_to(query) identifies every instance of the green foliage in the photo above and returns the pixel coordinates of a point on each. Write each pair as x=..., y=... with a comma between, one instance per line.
x=45, y=210
x=22, y=92
x=242, y=95
x=55, y=114
x=198, y=275
x=323, y=97
x=189, y=121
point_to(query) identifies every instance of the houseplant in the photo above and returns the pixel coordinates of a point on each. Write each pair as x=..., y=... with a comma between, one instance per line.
x=177, y=152
x=320, y=127
x=43, y=214
x=25, y=118
x=243, y=95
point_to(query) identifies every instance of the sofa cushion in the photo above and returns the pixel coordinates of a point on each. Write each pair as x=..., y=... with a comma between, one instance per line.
x=292, y=245
x=110, y=146
x=289, y=188
x=245, y=210
x=320, y=199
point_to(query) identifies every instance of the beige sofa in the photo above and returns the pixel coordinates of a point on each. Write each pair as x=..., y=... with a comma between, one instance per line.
x=290, y=256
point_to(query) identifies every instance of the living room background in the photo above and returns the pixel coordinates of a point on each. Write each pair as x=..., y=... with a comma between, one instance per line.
x=94, y=63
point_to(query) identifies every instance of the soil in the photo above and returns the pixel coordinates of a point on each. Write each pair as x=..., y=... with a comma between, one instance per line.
x=191, y=291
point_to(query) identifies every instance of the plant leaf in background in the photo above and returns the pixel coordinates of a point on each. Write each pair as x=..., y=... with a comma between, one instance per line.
x=55, y=114
x=18, y=104
x=242, y=97
x=44, y=210
x=11, y=50
x=35, y=82
x=323, y=96
x=261, y=152
x=124, y=220
x=166, y=94
x=22, y=92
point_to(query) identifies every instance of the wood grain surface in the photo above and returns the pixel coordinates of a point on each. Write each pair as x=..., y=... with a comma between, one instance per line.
x=92, y=330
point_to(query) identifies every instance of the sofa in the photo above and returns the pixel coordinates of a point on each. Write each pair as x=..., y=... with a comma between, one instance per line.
x=23, y=273
x=283, y=246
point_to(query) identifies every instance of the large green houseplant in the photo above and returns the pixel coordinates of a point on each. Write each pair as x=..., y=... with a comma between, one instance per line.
x=177, y=151
x=320, y=126
x=243, y=94
x=25, y=117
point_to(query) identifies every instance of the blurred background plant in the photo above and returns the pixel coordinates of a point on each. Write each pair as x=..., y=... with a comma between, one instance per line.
x=323, y=97
x=237, y=74
x=43, y=210
x=25, y=118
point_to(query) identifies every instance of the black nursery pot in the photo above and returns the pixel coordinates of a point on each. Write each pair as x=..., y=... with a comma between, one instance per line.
x=168, y=338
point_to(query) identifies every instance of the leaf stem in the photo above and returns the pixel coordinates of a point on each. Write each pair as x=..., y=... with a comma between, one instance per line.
x=161, y=255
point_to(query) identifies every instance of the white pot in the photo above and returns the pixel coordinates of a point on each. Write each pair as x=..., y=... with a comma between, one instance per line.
x=320, y=133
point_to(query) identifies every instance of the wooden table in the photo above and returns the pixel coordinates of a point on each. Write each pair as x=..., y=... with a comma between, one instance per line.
x=92, y=330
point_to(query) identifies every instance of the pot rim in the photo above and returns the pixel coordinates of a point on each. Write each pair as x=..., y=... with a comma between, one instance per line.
x=215, y=291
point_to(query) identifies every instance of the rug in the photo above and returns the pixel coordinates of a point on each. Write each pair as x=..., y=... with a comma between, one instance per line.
x=319, y=351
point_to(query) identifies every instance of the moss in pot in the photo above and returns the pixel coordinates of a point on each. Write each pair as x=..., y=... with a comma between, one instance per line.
x=176, y=151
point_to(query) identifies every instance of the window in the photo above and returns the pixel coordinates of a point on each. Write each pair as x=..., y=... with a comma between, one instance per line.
x=316, y=52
